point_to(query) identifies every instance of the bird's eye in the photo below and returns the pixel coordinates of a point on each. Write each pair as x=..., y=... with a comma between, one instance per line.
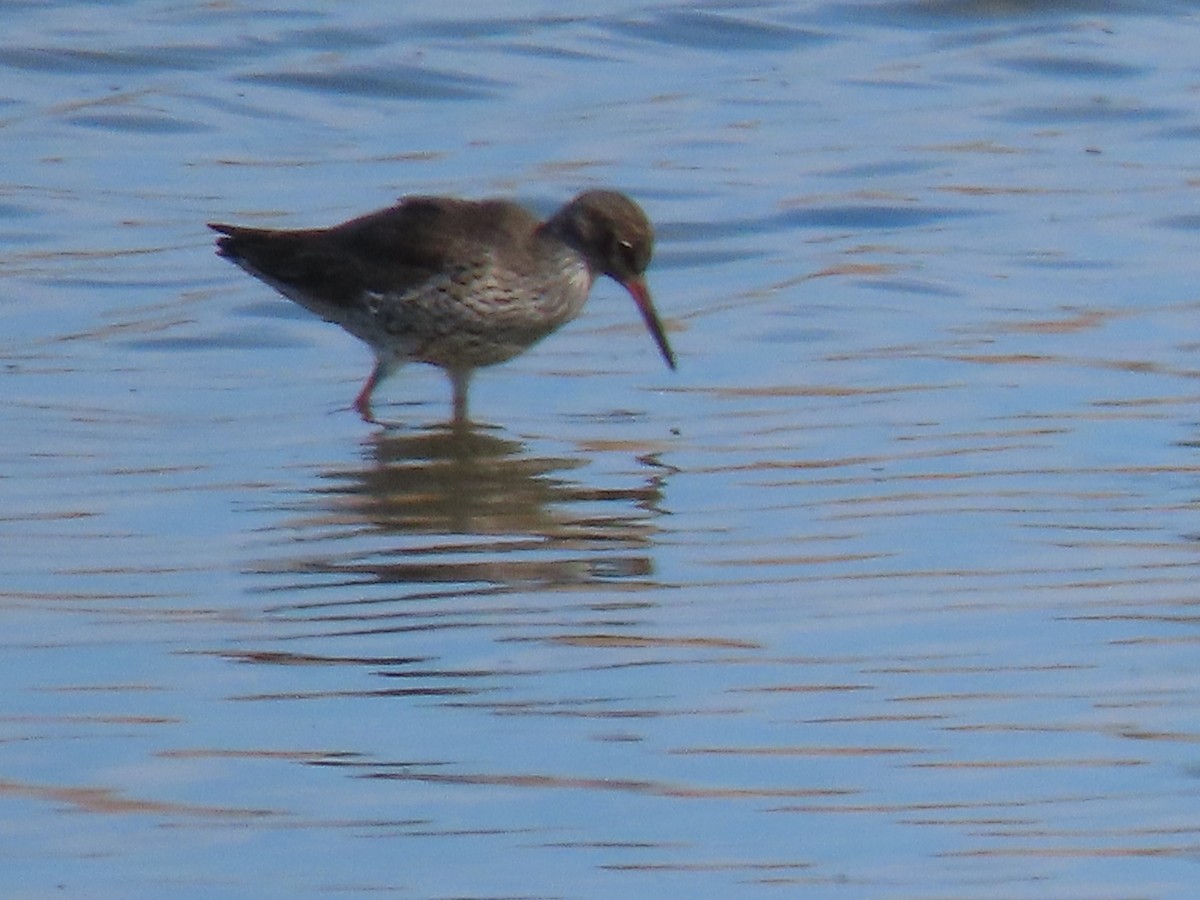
x=628, y=255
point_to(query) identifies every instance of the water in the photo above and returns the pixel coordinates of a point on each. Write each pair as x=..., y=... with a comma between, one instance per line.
x=888, y=592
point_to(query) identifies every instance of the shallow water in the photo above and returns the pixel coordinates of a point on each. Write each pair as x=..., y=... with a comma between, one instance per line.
x=888, y=592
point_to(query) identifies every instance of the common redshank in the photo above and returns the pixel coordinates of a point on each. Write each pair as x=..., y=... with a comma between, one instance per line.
x=458, y=284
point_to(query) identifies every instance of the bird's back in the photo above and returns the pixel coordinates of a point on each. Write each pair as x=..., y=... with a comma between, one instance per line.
x=393, y=251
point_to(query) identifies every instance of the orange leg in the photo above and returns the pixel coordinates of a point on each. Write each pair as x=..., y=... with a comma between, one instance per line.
x=363, y=401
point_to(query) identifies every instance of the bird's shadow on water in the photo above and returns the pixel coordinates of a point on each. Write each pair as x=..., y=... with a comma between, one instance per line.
x=460, y=505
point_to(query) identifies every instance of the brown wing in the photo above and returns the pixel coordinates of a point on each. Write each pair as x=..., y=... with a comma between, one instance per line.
x=393, y=251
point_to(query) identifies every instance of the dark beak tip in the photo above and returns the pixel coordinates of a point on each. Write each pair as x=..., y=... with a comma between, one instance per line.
x=641, y=295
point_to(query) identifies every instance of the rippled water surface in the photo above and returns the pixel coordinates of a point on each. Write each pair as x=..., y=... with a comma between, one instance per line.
x=888, y=592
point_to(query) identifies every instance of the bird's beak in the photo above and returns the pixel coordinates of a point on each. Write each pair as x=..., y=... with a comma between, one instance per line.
x=641, y=296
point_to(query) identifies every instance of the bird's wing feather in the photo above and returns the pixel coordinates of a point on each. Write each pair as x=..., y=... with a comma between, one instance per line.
x=392, y=252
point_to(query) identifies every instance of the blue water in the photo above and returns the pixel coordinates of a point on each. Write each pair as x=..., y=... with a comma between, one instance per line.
x=887, y=592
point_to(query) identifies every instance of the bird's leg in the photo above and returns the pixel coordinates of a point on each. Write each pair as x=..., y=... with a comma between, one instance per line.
x=363, y=401
x=459, y=379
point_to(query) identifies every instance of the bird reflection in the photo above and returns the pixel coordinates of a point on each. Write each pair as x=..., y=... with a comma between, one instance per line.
x=465, y=507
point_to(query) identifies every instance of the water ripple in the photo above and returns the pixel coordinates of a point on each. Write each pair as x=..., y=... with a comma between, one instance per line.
x=391, y=80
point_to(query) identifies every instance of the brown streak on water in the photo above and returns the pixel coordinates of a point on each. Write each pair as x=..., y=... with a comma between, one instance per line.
x=106, y=801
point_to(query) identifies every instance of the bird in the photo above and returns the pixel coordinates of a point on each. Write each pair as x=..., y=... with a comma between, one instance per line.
x=458, y=284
